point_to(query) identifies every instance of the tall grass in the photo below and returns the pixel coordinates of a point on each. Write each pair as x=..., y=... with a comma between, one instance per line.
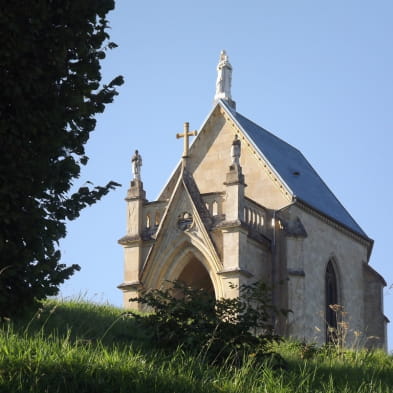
x=83, y=347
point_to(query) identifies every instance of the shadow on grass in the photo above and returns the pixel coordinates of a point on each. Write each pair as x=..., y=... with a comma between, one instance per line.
x=83, y=347
x=76, y=377
x=84, y=321
x=104, y=327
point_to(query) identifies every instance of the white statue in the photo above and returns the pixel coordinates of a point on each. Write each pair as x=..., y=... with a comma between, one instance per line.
x=224, y=78
x=235, y=152
x=136, y=161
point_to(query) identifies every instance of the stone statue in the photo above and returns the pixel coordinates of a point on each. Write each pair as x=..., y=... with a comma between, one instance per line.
x=224, y=78
x=235, y=152
x=136, y=161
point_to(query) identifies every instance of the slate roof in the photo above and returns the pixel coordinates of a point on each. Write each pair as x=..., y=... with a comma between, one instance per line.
x=296, y=172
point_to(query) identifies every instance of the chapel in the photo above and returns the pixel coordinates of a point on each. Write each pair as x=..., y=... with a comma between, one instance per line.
x=242, y=206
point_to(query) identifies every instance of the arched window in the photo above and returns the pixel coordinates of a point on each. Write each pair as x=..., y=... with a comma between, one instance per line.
x=331, y=297
x=157, y=219
x=215, y=208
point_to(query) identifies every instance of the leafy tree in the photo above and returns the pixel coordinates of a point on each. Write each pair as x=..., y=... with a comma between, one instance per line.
x=50, y=91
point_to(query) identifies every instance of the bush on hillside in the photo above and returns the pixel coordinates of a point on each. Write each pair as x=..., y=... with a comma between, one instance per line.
x=216, y=329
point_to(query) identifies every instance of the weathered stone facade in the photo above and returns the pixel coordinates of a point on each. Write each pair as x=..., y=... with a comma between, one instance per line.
x=223, y=219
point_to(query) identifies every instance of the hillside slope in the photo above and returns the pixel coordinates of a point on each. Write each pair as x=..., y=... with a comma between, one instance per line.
x=84, y=347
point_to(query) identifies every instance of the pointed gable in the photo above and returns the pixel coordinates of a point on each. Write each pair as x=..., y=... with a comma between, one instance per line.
x=185, y=198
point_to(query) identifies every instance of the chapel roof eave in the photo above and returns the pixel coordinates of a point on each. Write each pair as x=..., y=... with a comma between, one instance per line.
x=303, y=204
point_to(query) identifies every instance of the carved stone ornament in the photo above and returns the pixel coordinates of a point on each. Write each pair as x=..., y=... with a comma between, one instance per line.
x=236, y=151
x=185, y=221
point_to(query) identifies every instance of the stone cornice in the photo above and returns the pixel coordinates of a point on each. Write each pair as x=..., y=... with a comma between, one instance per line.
x=130, y=240
x=126, y=286
x=335, y=224
x=135, y=240
x=241, y=226
x=231, y=226
x=135, y=198
x=296, y=272
x=235, y=271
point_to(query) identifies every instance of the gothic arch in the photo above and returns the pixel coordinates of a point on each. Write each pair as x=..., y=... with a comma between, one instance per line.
x=195, y=275
x=184, y=256
x=332, y=297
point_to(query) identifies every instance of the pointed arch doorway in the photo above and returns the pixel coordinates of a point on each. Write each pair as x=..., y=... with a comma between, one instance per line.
x=195, y=275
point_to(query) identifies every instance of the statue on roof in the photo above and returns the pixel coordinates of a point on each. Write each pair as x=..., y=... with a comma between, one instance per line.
x=224, y=80
x=136, y=161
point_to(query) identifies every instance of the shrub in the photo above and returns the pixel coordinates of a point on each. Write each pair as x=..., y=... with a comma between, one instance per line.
x=216, y=329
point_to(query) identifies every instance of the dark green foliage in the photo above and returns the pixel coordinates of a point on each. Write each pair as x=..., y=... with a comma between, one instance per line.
x=217, y=329
x=49, y=94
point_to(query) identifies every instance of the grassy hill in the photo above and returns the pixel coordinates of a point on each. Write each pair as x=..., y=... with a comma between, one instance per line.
x=83, y=347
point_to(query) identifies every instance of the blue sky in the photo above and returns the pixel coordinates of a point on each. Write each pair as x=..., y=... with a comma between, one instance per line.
x=317, y=74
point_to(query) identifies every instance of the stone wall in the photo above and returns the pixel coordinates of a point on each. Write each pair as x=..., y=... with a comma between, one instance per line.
x=309, y=256
x=375, y=323
x=210, y=160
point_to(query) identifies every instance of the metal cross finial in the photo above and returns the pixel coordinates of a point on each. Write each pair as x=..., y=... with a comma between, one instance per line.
x=186, y=134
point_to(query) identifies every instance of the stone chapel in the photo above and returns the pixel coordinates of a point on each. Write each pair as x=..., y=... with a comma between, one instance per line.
x=241, y=206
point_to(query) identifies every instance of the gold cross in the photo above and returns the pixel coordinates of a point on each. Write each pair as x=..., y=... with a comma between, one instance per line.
x=185, y=135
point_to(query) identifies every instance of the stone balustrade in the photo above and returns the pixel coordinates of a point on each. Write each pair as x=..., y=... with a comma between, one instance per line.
x=255, y=216
x=214, y=202
x=153, y=213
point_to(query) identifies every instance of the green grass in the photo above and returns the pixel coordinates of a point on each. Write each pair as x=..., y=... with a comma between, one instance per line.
x=84, y=347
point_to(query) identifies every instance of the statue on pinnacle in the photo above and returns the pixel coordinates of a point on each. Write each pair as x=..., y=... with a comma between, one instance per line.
x=224, y=80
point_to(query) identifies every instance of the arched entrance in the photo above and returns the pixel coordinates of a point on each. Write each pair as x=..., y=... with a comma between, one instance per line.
x=196, y=276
